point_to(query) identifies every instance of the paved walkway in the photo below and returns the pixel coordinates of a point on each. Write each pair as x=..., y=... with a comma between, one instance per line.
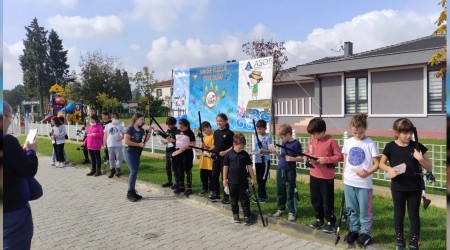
x=80, y=212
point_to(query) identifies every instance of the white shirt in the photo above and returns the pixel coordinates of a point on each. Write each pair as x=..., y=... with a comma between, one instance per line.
x=112, y=132
x=359, y=156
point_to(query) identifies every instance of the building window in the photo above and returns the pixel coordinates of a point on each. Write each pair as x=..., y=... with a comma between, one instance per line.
x=436, y=88
x=355, y=95
x=158, y=92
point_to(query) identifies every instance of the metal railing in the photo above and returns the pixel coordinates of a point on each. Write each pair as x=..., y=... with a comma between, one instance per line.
x=436, y=153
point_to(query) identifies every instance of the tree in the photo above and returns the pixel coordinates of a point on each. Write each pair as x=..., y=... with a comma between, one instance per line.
x=67, y=94
x=14, y=96
x=441, y=56
x=33, y=63
x=136, y=94
x=56, y=64
x=107, y=102
x=126, y=87
x=261, y=48
x=98, y=72
x=145, y=83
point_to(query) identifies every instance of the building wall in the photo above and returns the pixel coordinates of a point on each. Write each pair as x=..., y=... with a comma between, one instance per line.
x=331, y=96
x=397, y=92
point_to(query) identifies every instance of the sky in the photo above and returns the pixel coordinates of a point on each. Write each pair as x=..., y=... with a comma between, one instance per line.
x=179, y=34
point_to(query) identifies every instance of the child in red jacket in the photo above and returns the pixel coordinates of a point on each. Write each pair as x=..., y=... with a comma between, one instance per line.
x=321, y=179
x=94, y=141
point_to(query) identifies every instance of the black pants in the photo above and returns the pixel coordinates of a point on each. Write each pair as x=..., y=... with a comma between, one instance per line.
x=262, y=173
x=169, y=167
x=96, y=161
x=217, y=176
x=205, y=177
x=237, y=193
x=59, y=152
x=184, y=167
x=400, y=199
x=322, y=198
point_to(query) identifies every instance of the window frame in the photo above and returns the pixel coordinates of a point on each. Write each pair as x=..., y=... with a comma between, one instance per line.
x=443, y=95
x=357, y=101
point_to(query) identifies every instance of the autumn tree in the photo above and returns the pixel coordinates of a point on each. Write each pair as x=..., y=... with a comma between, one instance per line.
x=440, y=57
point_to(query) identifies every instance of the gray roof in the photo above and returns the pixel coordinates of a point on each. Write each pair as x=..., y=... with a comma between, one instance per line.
x=420, y=44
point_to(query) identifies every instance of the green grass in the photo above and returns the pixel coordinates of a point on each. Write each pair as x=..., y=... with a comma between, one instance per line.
x=433, y=220
x=160, y=120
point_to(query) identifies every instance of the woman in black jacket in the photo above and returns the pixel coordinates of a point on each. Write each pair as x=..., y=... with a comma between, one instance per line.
x=19, y=164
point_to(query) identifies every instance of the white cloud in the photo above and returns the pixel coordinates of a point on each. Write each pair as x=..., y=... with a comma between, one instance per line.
x=12, y=72
x=164, y=14
x=166, y=55
x=368, y=31
x=81, y=27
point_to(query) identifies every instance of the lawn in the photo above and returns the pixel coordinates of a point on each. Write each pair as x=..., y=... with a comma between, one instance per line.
x=433, y=220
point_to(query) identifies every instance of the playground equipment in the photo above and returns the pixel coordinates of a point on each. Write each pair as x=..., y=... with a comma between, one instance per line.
x=73, y=112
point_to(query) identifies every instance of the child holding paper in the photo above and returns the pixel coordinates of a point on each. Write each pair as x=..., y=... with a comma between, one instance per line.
x=406, y=183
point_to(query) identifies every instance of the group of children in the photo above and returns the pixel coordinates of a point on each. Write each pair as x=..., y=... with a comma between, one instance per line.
x=359, y=155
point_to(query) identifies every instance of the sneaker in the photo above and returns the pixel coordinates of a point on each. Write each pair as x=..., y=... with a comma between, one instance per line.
x=179, y=190
x=259, y=200
x=226, y=200
x=329, y=228
x=111, y=173
x=118, y=172
x=247, y=220
x=188, y=192
x=236, y=218
x=174, y=187
x=98, y=173
x=413, y=245
x=400, y=245
x=317, y=224
x=214, y=198
x=351, y=237
x=53, y=164
x=291, y=217
x=364, y=239
x=66, y=164
x=203, y=192
x=86, y=161
x=167, y=184
x=279, y=213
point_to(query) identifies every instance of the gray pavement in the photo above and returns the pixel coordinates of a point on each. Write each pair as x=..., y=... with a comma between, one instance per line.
x=81, y=212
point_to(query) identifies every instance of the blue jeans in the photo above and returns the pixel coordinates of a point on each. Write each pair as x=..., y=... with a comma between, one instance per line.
x=359, y=201
x=18, y=229
x=133, y=159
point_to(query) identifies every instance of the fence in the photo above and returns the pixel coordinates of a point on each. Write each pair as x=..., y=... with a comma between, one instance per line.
x=436, y=153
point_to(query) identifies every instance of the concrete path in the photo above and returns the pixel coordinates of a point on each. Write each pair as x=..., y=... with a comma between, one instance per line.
x=81, y=212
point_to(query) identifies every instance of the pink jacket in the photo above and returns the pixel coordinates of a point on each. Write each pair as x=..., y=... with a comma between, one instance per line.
x=94, y=142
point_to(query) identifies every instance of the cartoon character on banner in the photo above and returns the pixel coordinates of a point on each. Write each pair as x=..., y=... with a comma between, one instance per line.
x=255, y=79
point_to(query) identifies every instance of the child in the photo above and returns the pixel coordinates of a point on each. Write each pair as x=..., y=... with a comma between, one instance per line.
x=184, y=155
x=58, y=135
x=113, y=136
x=236, y=164
x=94, y=141
x=205, y=161
x=170, y=148
x=321, y=179
x=135, y=138
x=262, y=160
x=223, y=142
x=286, y=173
x=359, y=153
x=405, y=187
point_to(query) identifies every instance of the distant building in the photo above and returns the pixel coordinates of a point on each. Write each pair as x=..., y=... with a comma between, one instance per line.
x=386, y=83
x=163, y=90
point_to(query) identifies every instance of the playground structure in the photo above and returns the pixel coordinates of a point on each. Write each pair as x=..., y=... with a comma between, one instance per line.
x=72, y=112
